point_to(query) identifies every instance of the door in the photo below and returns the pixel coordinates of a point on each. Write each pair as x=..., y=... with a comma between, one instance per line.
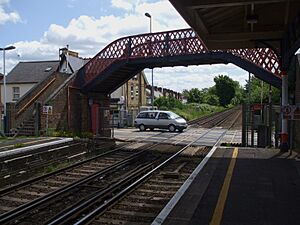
x=163, y=120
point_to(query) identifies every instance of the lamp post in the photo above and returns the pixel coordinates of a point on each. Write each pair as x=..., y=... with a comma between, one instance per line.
x=152, y=86
x=4, y=81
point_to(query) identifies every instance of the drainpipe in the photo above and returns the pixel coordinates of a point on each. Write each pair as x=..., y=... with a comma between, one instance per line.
x=284, y=147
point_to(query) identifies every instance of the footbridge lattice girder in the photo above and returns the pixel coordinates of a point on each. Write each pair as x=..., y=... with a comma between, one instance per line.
x=172, y=44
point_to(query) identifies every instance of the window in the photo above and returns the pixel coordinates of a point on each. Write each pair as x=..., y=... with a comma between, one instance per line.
x=164, y=116
x=137, y=90
x=16, y=93
x=152, y=115
x=132, y=91
x=142, y=115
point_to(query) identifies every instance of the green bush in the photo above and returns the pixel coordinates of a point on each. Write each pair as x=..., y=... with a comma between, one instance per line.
x=86, y=134
x=167, y=103
x=63, y=133
x=194, y=110
x=19, y=145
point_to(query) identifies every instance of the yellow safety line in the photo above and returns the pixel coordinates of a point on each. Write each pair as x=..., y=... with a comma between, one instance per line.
x=218, y=213
x=29, y=142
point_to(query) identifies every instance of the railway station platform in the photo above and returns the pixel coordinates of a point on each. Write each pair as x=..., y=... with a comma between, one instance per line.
x=7, y=144
x=239, y=186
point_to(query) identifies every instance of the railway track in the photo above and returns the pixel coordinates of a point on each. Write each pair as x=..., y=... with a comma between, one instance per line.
x=29, y=194
x=217, y=119
x=142, y=205
x=78, y=212
x=23, y=164
x=117, y=186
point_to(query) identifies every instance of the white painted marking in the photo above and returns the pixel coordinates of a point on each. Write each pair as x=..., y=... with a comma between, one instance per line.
x=24, y=149
x=81, y=153
x=21, y=157
x=55, y=149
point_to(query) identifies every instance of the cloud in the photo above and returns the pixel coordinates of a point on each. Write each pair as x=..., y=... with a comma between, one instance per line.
x=180, y=78
x=88, y=35
x=123, y=4
x=6, y=17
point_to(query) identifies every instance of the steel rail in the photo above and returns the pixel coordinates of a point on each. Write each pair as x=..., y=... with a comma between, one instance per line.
x=86, y=219
x=130, y=187
x=28, y=182
x=215, y=117
x=35, y=203
x=68, y=214
x=13, y=214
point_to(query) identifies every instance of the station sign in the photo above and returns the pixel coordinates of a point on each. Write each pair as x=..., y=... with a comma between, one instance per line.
x=47, y=109
x=291, y=112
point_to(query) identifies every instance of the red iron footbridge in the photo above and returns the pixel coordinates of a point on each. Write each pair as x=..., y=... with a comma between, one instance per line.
x=125, y=57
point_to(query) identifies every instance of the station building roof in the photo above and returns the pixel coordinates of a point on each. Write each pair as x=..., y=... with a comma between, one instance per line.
x=227, y=24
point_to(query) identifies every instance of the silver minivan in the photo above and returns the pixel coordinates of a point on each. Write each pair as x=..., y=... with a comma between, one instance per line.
x=160, y=119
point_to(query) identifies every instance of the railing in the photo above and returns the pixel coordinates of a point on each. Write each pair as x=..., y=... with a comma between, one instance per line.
x=35, y=97
x=30, y=97
x=180, y=42
x=25, y=106
x=171, y=43
x=264, y=57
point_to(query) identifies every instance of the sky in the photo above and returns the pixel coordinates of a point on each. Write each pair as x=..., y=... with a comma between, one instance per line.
x=38, y=28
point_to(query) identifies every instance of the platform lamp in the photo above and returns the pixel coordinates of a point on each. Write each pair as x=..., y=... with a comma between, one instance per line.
x=152, y=87
x=4, y=82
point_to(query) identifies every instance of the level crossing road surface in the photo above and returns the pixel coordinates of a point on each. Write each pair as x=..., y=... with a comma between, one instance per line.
x=209, y=139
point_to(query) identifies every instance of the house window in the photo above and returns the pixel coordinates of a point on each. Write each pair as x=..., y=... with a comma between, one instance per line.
x=132, y=91
x=16, y=93
x=137, y=90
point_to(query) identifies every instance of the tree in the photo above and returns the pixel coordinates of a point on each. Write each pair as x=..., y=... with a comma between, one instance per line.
x=225, y=89
x=259, y=91
x=212, y=100
x=168, y=103
x=194, y=96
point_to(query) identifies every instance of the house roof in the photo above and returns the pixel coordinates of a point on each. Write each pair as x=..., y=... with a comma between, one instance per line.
x=31, y=72
x=74, y=63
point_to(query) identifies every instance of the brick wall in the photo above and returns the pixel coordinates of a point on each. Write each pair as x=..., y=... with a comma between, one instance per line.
x=24, y=111
x=70, y=111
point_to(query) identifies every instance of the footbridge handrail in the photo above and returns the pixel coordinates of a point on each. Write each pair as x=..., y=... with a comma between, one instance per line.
x=169, y=43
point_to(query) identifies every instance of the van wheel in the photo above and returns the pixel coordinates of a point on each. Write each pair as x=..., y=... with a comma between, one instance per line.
x=142, y=127
x=172, y=128
x=180, y=130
